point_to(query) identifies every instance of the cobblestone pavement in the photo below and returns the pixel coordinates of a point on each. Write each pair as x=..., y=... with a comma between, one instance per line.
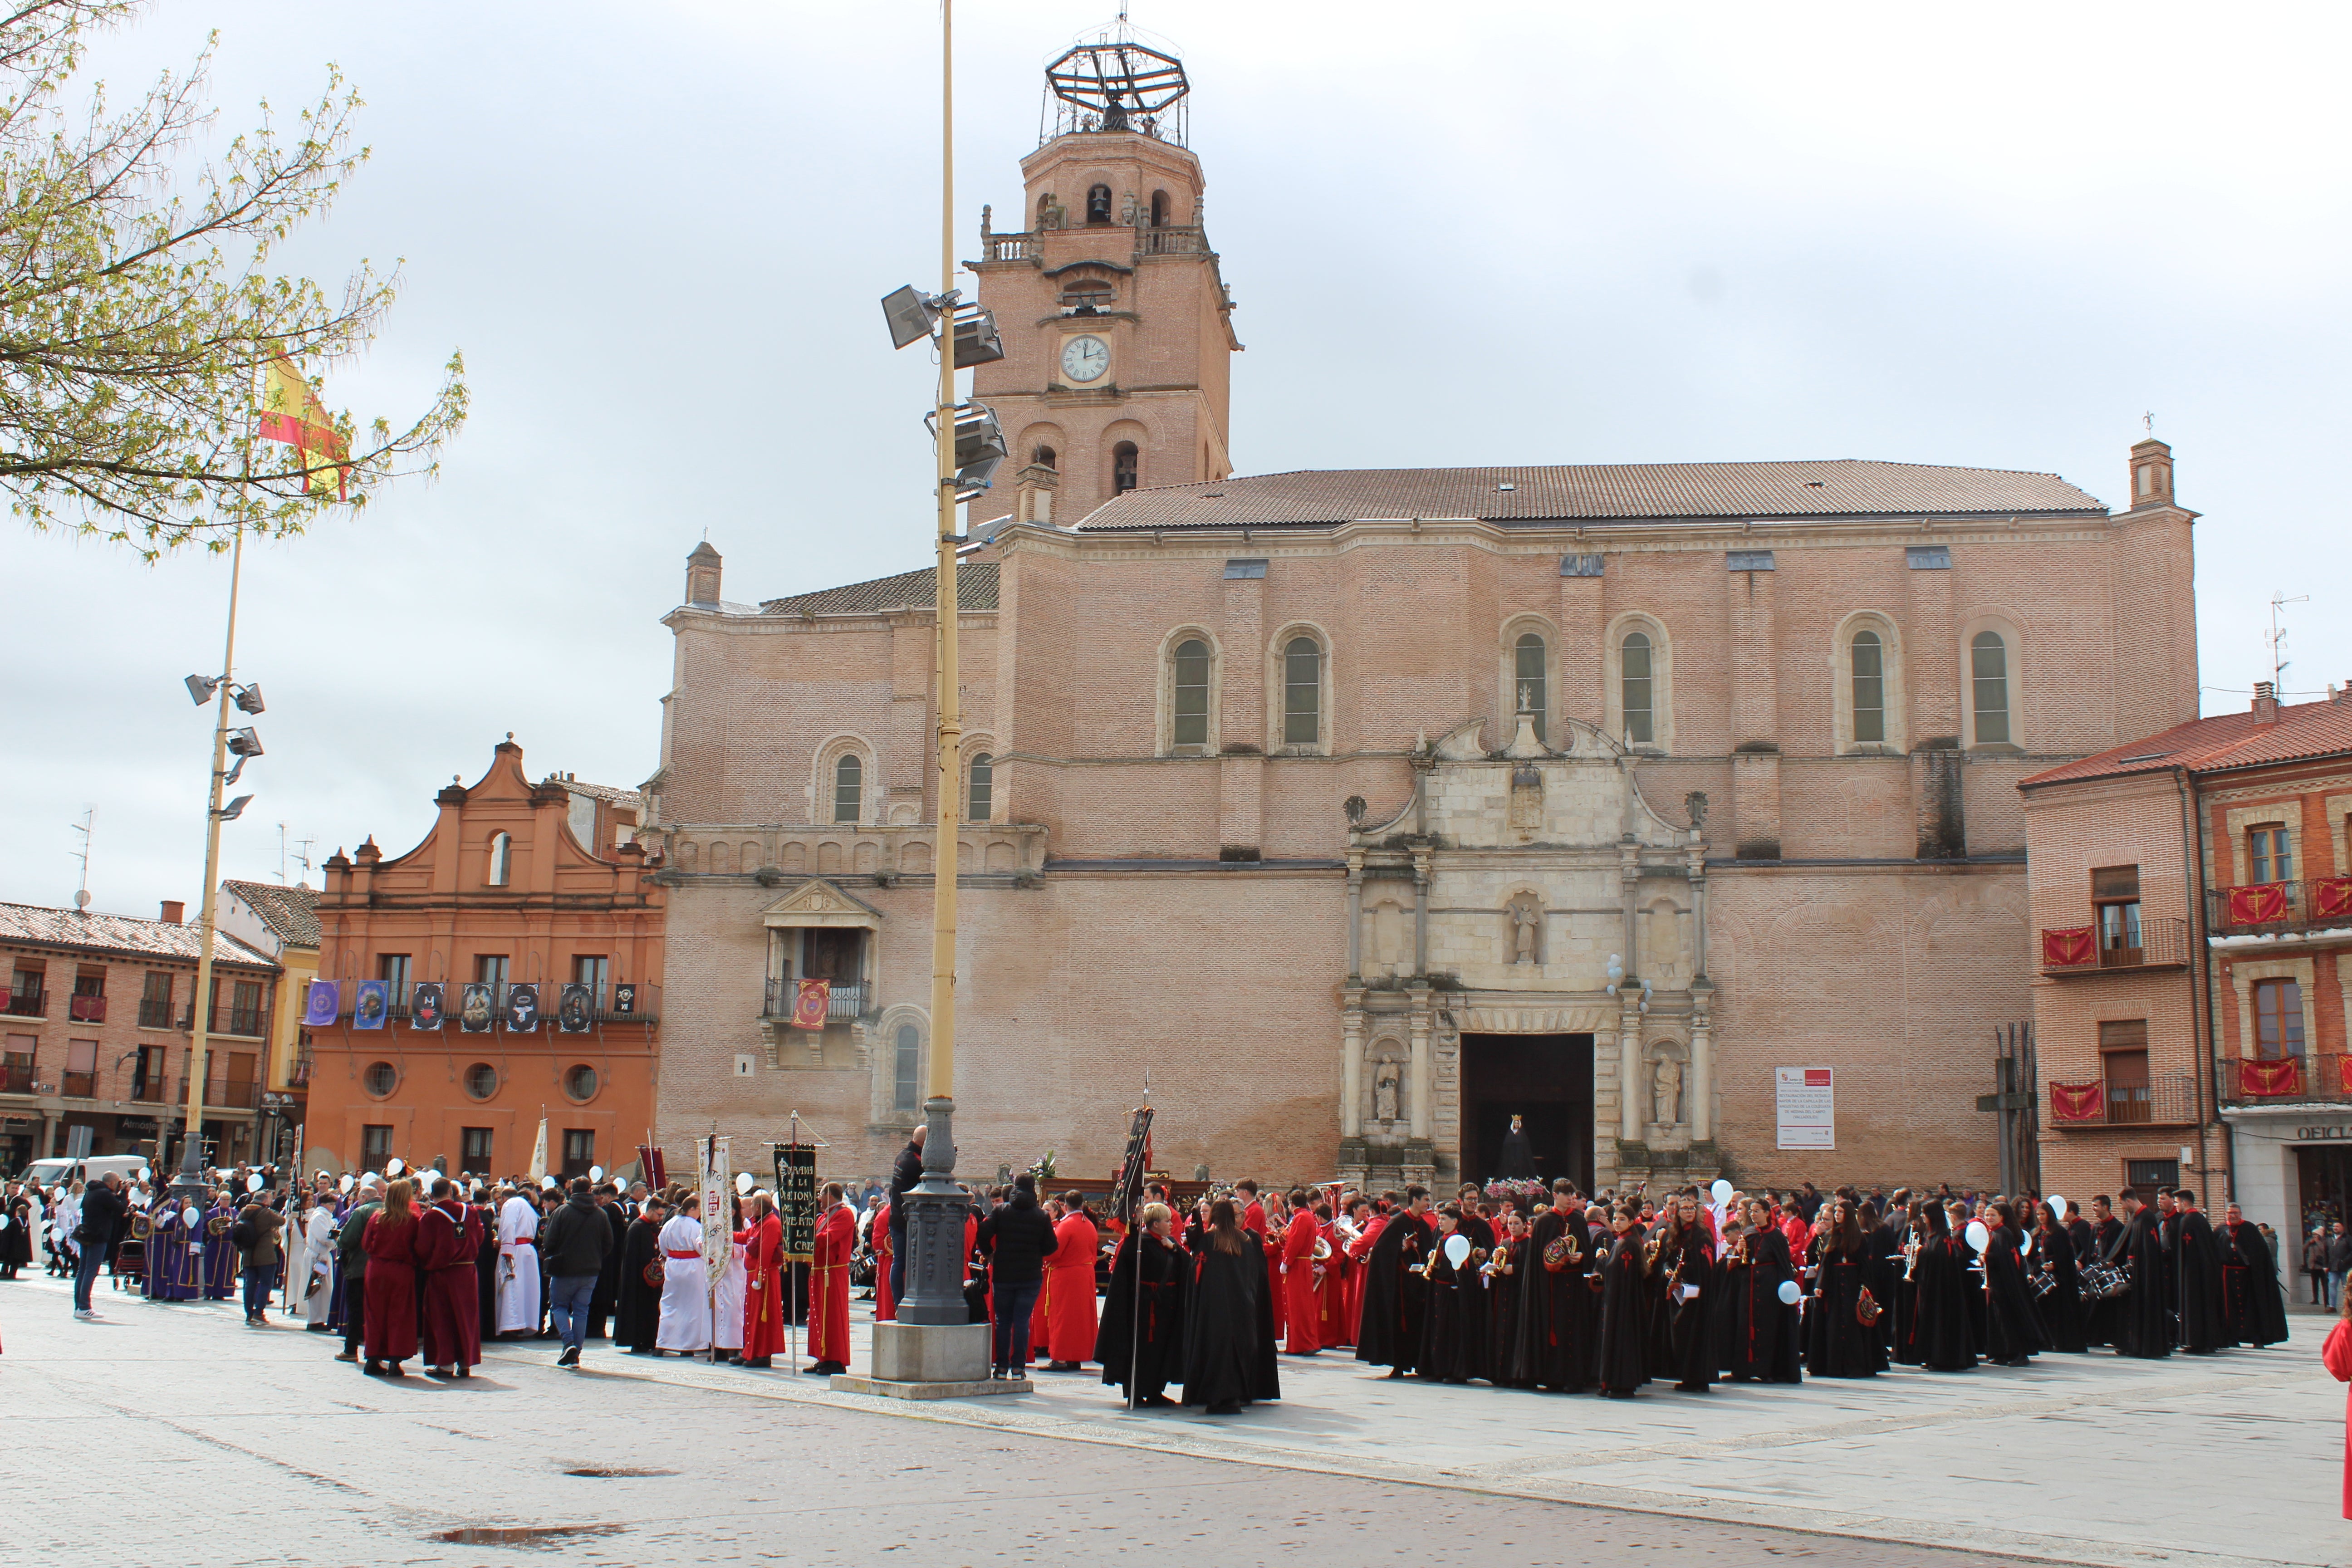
x=254, y=1447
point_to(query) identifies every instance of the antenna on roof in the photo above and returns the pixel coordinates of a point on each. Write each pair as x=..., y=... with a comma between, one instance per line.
x=303, y=861
x=82, y=894
x=2276, y=637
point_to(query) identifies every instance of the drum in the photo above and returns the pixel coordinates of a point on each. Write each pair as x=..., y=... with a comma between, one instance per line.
x=2105, y=1282
x=2044, y=1283
x=656, y=1270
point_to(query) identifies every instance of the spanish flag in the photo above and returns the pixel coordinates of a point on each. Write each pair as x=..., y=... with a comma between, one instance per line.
x=291, y=412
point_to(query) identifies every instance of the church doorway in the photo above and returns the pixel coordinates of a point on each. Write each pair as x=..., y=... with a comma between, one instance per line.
x=1544, y=1080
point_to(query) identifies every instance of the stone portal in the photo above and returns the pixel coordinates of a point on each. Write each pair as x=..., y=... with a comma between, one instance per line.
x=1547, y=1079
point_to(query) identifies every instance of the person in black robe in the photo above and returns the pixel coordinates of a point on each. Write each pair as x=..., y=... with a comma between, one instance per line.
x=607, y=1294
x=2197, y=1266
x=1841, y=1322
x=2103, y=1317
x=1517, y=1162
x=2145, y=1315
x=1453, y=1338
x=1941, y=1284
x=1688, y=1263
x=1881, y=1269
x=1554, y=1349
x=486, y=1267
x=636, y=1325
x=1501, y=1289
x=1756, y=1328
x=1661, y=1250
x=1624, y=1362
x=1144, y=1338
x=2010, y=1321
x=1905, y=1227
x=2060, y=1305
x=2251, y=1303
x=1396, y=1294
x=1229, y=1348
x=2081, y=1232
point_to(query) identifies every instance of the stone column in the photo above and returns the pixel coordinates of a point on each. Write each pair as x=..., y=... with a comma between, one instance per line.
x=1351, y=1074
x=1355, y=914
x=1699, y=1088
x=1630, y=1087
x=1425, y=1077
x=1698, y=853
x=1420, y=921
x=1629, y=882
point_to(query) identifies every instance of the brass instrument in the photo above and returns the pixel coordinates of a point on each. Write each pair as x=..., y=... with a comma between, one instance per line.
x=1499, y=1262
x=1322, y=1250
x=1910, y=1258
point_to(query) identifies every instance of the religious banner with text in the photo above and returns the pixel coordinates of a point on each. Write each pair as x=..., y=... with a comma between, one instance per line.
x=2078, y=1102
x=2254, y=906
x=711, y=1158
x=425, y=1006
x=1123, y=1197
x=796, y=1199
x=811, y=1002
x=372, y=1005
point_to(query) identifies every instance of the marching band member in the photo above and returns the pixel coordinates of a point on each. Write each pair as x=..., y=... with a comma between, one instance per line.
x=828, y=1312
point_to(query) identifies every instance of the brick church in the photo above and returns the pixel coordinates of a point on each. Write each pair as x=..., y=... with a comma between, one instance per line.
x=1363, y=810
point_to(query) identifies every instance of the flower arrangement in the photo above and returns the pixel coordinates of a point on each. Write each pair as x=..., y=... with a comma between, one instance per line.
x=1521, y=1191
x=1043, y=1169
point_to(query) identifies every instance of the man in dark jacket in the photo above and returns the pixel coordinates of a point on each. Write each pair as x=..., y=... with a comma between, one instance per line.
x=1017, y=1238
x=574, y=1244
x=103, y=1209
x=904, y=1176
x=255, y=1238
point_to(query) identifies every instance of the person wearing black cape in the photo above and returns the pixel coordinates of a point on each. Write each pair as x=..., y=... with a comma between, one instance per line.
x=1396, y=1294
x=2145, y=1314
x=1146, y=1338
x=2103, y=1319
x=1940, y=1286
x=2251, y=1304
x=1688, y=1264
x=2061, y=1306
x=1229, y=1348
x=1882, y=1268
x=1501, y=1271
x=1555, y=1344
x=1842, y=1324
x=608, y=1280
x=1758, y=1329
x=637, y=1301
x=2197, y=1266
x=2013, y=1327
x=1903, y=1227
x=1517, y=1162
x=1454, y=1336
x=1624, y=1363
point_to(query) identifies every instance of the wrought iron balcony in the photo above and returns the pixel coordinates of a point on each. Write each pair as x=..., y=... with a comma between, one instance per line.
x=16, y=1078
x=848, y=999
x=156, y=1012
x=82, y=1086
x=25, y=1003
x=2280, y=908
x=2262, y=1080
x=2091, y=950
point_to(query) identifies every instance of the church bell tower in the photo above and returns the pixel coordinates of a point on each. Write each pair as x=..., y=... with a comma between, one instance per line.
x=1117, y=330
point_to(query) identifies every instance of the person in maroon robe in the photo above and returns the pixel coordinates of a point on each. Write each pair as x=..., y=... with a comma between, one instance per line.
x=1300, y=1312
x=836, y=1235
x=448, y=1243
x=390, y=1242
x=765, y=1307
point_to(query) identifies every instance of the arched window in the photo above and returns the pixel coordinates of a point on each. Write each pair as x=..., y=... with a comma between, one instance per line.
x=1302, y=692
x=1045, y=209
x=1869, y=688
x=1122, y=467
x=1099, y=205
x=501, y=859
x=1159, y=205
x=1633, y=672
x=1191, y=710
x=1528, y=680
x=1044, y=457
x=1989, y=675
x=983, y=788
x=848, y=788
x=907, y=1089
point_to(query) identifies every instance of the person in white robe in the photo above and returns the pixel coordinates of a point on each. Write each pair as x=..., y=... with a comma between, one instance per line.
x=727, y=1302
x=318, y=1265
x=685, y=1323
x=518, y=1302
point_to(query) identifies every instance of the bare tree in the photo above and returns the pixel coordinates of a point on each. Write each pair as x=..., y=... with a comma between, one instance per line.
x=138, y=307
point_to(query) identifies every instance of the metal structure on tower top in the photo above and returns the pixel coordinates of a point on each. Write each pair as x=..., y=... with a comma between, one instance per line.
x=1116, y=82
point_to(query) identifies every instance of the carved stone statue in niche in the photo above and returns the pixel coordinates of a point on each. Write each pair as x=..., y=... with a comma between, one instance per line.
x=1666, y=1091
x=1527, y=926
x=1386, y=1079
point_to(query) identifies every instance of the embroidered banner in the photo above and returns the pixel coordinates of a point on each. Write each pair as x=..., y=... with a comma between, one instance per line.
x=2267, y=1080
x=2069, y=949
x=2344, y=1073
x=319, y=1005
x=425, y=1006
x=2078, y=1102
x=2332, y=899
x=572, y=1009
x=2257, y=905
x=717, y=1205
x=811, y=1002
x=523, y=1009
x=372, y=1006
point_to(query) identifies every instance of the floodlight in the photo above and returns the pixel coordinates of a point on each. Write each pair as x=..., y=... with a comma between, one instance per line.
x=235, y=808
x=979, y=448
x=201, y=688
x=975, y=337
x=912, y=313
x=248, y=699
x=243, y=742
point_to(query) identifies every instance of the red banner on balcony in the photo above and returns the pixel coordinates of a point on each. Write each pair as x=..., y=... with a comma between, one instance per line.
x=811, y=1002
x=2258, y=905
x=2332, y=899
x=2269, y=1079
x=2078, y=1102
x=2070, y=949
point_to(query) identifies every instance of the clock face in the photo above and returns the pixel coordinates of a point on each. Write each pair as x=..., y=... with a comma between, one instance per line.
x=1085, y=359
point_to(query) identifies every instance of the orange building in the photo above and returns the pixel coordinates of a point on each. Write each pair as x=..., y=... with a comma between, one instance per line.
x=506, y=970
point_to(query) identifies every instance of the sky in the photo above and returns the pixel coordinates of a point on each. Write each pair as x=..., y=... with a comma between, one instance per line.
x=2009, y=235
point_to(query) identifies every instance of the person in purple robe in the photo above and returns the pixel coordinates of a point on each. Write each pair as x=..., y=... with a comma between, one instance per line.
x=173, y=1270
x=220, y=1253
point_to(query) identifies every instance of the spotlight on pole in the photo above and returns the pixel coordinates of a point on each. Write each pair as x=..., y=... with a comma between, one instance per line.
x=244, y=743
x=912, y=314
x=914, y=317
x=979, y=448
x=201, y=688
x=248, y=699
x=235, y=808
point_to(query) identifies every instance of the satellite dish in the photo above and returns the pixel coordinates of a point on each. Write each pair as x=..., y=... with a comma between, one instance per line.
x=253, y=1183
x=1788, y=1292
x=1457, y=1249
x=595, y=1172
x=81, y=898
x=392, y=1167
x=1722, y=1191
x=1977, y=1235
x=744, y=1182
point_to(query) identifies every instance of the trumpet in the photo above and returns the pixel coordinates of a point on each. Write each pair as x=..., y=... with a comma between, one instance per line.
x=1910, y=1258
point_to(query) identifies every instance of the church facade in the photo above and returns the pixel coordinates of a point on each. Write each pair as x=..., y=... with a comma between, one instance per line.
x=1359, y=811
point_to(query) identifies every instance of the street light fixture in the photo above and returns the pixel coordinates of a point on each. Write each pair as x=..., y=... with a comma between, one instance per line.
x=202, y=687
x=914, y=316
x=235, y=808
x=248, y=700
x=979, y=448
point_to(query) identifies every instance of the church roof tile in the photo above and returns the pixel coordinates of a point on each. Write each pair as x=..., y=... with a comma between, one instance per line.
x=975, y=590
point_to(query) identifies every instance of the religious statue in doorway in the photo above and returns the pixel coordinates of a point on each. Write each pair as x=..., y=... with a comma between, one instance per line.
x=1666, y=1091
x=1517, y=1162
x=1384, y=1092
x=1525, y=922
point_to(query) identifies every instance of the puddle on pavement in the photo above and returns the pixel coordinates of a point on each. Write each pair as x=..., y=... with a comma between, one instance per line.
x=618, y=1470
x=520, y=1534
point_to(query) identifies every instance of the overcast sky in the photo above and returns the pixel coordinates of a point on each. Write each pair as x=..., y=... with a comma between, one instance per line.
x=1997, y=236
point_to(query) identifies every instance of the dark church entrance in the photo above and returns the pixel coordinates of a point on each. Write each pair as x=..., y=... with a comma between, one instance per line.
x=1544, y=1080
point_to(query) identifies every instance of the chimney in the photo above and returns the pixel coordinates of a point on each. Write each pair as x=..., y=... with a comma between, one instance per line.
x=2266, y=701
x=2151, y=474
x=175, y=910
x=702, y=576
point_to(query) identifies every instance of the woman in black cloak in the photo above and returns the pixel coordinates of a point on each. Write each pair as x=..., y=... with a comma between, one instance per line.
x=1229, y=1347
x=2251, y=1305
x=1395, y=1295
x=1689, y=1266
x=1453, y=1347
x=1146, y=1338
x=638, y=1324
x=1940, y=1283
x=1910, y=1237
x=2061, y=1304
x=2013, y=1330
x=1759, y=1330
x=1624, y=1304
x=1501, y=1272
x=1842, y=1324
x=1661, y=1250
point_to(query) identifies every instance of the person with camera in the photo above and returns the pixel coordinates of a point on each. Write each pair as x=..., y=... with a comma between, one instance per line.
x=102, y=1211
x=255, y=1236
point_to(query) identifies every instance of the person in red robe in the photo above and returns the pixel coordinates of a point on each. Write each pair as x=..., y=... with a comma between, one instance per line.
x=765, y=1309
x=1040, y=1316
x=449, y=1249
x=828, y=1326
x=1301, y=1311
x=1369, y=1223
x=390, y=1242
x=1332, y=1324
x=1070, y=1287
x=2335, y=1355
x=886, y=1305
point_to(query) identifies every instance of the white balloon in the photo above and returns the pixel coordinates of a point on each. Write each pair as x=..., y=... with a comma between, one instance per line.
x=347, y=1183
x=547, y=1183
x=3, y=1221
x=595, y=1172
x=144, y=1172
x=392, y=1167
x=1458, y=1250
x=191, y=1216
x=1979, y=1236
x=2058, y=1207
x=742, y=1181
x=1788, y=1292
x=1721, y=1189
x=253, y=1183
x=2026, y=1245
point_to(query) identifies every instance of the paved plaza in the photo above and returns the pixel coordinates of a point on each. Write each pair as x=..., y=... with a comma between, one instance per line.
x=218, y=1444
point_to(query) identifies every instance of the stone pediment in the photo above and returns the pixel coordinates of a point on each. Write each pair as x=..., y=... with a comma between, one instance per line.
x=818, y=903
x=1581, y=794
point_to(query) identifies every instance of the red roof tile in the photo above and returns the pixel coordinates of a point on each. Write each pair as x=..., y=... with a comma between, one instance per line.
x=2221, y=742
x=94, y=933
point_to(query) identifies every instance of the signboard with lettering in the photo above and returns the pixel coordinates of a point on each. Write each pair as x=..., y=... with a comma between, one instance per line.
x=1806, y=1100
x=796, y=1199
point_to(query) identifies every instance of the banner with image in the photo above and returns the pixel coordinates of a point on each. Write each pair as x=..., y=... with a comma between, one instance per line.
x=718, y=1206
x=574, y=1011
x=424, y=1004
x=523, y=1009
x=474, y=1007
x=372, y=1006
x=320, y=1005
